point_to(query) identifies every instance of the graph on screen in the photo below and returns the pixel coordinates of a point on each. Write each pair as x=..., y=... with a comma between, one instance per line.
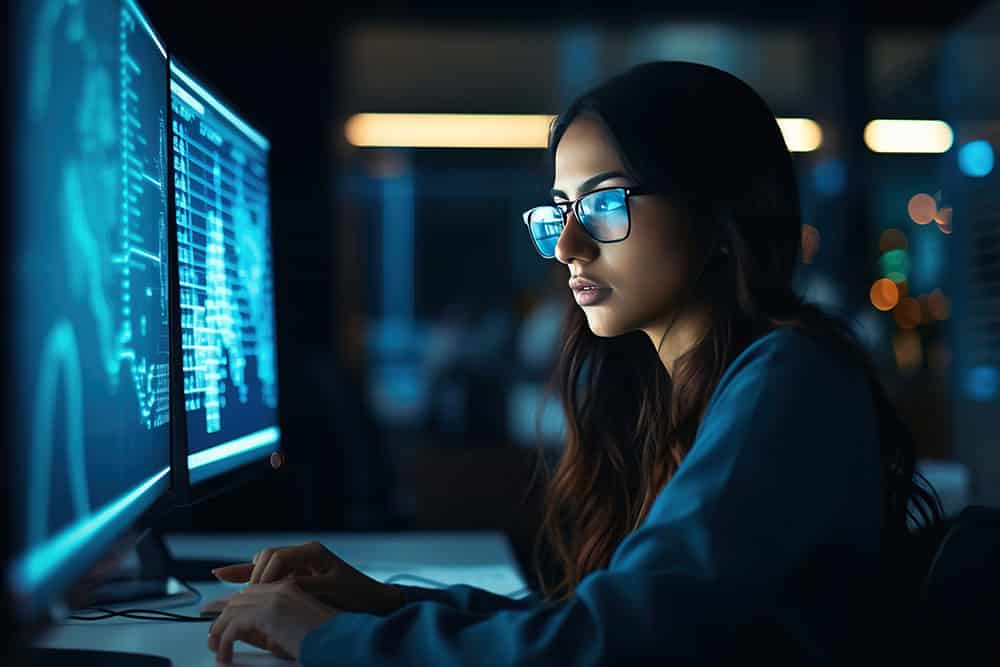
x=222, y=211
x=89, y=297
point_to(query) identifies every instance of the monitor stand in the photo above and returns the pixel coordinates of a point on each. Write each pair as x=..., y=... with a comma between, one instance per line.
x=61, y=657
x=157, y=561
x=157, y=578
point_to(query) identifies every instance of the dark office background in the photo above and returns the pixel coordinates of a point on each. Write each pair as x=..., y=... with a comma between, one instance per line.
x=416, y=323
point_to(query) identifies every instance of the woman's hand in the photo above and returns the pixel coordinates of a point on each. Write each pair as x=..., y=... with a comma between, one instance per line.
x=274, y=617
x=317, y=571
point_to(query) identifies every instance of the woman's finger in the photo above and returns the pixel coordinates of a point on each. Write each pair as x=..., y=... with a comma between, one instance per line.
x=236, y=574
x=238, y=628
x=290, y=560
x=218, y=627
x=214, y=605
x=275, y=648
x=255, y=637
x=260, y=563
x=240, y=605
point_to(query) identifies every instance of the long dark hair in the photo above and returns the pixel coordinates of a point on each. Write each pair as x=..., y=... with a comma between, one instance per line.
x=708, y=138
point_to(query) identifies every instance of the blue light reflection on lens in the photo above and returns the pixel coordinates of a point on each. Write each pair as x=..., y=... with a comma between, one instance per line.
x=545, y=224
x=605, y=214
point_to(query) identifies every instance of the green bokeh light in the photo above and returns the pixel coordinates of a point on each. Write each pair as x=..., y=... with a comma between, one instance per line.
x=895, y=265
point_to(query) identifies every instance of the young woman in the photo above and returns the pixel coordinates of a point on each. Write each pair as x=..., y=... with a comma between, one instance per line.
x=734, y=479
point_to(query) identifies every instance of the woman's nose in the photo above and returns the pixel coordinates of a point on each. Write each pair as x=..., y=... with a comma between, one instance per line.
x=574, y=242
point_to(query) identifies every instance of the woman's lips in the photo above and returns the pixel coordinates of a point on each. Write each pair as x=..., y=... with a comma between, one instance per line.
x=589, y=296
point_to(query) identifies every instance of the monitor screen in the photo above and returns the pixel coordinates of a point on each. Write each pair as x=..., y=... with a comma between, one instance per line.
x=222, y=211
x=87, y=287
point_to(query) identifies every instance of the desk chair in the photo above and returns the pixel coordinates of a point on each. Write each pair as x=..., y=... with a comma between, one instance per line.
x=959, y=605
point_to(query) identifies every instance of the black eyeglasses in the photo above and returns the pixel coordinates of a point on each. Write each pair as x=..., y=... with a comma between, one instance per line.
x=603, y=214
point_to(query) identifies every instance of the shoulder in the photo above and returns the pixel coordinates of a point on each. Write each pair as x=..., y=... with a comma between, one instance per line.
x=790, y=348
x=788, y=360
x=786, y=343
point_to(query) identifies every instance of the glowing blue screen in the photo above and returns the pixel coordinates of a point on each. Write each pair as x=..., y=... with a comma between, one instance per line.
x=89, y=363
x=221, y=202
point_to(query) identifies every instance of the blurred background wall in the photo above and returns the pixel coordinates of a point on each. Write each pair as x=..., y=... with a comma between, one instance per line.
x=416, y=324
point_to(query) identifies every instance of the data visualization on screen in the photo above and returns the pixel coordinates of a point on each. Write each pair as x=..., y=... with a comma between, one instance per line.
x=89, y=358
x=222, y=210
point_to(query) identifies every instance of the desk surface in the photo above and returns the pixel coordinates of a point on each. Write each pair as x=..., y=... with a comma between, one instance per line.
x=479, y=559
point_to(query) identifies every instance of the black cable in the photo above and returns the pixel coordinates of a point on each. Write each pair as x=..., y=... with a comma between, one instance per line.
x=147, y=614
x=139, y=615
x=160, y=615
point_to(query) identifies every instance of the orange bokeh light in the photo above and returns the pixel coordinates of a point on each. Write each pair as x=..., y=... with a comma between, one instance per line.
x=943, y=220
x=908, y=350
x=922, y=208
x=884, y=294
x=907, y=313
x=938, y=305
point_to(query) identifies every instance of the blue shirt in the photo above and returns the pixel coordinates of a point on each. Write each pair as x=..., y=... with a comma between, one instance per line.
x=765, y=543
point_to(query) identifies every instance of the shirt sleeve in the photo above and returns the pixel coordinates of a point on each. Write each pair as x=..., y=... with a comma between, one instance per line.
x=465, y=597
x=762, y=538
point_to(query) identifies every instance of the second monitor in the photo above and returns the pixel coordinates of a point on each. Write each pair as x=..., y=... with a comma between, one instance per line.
x=226, y=291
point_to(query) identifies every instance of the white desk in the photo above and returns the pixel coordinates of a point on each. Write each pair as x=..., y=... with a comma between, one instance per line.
x=479, y=559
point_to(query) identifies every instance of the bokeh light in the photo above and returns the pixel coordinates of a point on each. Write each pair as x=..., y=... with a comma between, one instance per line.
x=830, y=176
x=943, y=219
x=884, y=294
x=976, y=158
x=908, y=350
x=907, y=313
x=895, y=265
x=925, y=312
x=908, y=136
x=981, y=383
x=892, y=239
x=939, y=305
x=922, y=208
x=810, y=243
x=448, y=130
x=801, y=134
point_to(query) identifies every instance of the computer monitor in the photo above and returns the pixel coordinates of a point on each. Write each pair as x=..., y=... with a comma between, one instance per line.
x=88, y=364
x=221, y=207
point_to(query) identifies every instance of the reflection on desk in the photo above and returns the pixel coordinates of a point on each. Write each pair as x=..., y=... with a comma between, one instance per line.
x=484, y=560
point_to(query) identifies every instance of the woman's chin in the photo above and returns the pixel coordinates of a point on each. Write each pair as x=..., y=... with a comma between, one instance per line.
x=603, y=327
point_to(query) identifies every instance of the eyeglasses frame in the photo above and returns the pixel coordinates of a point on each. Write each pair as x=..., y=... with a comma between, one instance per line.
x=573, y=204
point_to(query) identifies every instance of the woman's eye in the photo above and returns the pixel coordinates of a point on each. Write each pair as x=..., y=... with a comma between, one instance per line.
x=604, y=205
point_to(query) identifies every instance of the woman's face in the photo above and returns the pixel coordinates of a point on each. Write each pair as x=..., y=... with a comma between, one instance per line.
x=644, y=275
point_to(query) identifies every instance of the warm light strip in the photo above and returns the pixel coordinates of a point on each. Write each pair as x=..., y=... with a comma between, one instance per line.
x=908, y=136
x=448, y=130
x=402, y=130
x=801, y=134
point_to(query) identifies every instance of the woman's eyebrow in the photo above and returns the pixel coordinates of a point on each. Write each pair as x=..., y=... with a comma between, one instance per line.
x=591, y=182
